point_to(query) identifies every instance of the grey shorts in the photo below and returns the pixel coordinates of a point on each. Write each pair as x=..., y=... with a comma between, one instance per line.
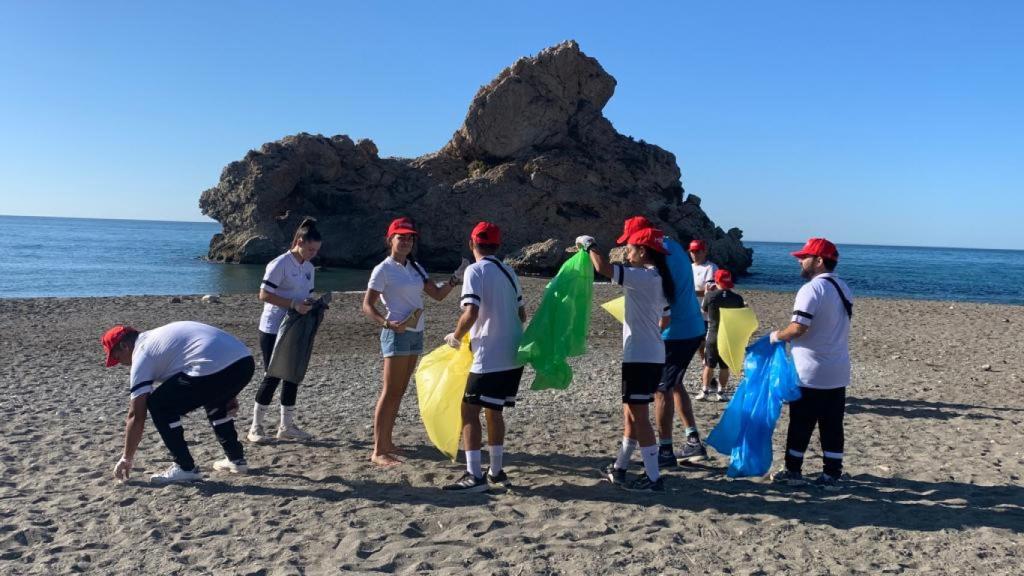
x=407, y=343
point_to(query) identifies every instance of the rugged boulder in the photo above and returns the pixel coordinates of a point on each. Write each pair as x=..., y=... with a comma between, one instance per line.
x=535, y=155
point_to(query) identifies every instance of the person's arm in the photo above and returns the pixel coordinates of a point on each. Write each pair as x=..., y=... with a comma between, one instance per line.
x=133, y=427
x=299, y=306
x=438, y=292
x=371, y=312
x=470, y=312
x=789, y=333
x=600, y=263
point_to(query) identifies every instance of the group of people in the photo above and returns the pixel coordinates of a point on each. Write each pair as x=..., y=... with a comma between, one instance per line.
x=668, y=320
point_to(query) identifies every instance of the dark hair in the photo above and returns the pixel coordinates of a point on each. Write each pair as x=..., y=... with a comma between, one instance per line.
x=668, y=285
x=830, y=264
x=487, y=249
x=130, y=336
x=307, y=231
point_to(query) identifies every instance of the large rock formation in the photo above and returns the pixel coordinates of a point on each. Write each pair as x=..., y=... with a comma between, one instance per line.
x=534, y=155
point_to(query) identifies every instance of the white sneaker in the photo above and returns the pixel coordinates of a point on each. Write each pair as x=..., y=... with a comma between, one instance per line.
x=719, y=397
x=292, y=432
x=701, y=395
x=239, y=466
x=256, y=435
x=176, y=474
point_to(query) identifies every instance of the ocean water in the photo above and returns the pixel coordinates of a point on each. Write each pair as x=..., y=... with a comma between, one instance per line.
x=85, y=257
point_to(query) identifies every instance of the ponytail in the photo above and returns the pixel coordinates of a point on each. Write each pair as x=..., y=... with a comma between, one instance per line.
x=306, y=232
x=668, y=286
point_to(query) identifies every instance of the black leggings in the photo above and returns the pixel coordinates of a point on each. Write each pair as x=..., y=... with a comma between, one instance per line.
x=824, y=408
x=265, y=394
x=181, y=394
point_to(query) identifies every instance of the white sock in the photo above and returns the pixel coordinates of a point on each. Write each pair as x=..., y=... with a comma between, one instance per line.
x=259, y=412
x=473, y=463
x=650, y=456
x=497, y=453
x=625, y=453
x=287, y=416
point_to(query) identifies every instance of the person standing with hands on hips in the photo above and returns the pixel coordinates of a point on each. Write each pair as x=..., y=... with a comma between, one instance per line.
x=399, y=282
x=649, y=290
x=287, y=285
x=493, y=315
x=820, y=336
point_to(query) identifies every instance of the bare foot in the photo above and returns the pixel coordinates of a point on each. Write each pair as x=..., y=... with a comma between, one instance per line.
x=385, y=460
x=395, y=450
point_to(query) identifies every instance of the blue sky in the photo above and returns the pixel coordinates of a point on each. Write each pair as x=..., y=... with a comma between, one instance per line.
x=871, y=122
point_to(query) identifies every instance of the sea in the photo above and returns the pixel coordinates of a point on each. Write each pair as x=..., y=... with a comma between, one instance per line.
x=65, y=257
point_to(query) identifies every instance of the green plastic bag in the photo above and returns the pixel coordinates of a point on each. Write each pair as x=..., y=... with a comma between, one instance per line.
x=559, y=328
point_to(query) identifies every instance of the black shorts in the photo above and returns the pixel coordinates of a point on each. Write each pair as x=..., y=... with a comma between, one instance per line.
x=494, y=390
x=639, y=381
x=678, y=354
x=711, y=356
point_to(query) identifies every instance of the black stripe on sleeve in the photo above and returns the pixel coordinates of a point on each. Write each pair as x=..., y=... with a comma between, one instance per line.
x=473, y=296
x=269, y=283
x=148, y=383
x=803, y=314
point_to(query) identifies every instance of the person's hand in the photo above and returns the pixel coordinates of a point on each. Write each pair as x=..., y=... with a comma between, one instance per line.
x=585, y=243
x=233, y=407
x=395, y=326
x=302, y=307
x=456, y=277
x=452, y=341
x=121, y=469
x=774, y=337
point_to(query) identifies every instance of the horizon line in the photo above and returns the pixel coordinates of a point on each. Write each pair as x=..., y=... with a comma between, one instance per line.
x=796, y=242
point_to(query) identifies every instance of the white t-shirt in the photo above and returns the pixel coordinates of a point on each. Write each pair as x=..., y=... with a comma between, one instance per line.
x=645, y=307
x=494, y=337
x=703, y=274
x=401, y=289
x=188, y=348
x=822, y=354
x=286, y=278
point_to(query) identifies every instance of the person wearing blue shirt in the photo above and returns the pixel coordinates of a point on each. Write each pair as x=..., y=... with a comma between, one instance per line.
x=682, y=340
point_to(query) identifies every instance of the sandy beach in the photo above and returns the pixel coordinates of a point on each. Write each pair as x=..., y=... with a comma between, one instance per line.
x=935, y=420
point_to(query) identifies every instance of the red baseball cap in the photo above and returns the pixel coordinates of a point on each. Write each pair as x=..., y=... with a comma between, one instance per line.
x=696, y=245
x=631, y=226
x=649, y=237
x=724, y=277
x=111, y=338
x=402, y=225
x=485, y=233
x=818, y=247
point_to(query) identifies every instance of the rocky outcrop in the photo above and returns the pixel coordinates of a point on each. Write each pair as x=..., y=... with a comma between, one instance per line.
x=535, y=155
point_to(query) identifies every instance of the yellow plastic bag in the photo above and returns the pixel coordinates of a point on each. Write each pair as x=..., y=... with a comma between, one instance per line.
x=735, y=326
x=440, y=384
x=616, y=308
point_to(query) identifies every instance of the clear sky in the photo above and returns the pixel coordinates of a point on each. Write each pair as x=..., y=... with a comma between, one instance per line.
x=867, y=121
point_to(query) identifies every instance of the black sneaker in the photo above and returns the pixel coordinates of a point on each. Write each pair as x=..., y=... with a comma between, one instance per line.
x=788, y=477
x=667, y=459
x=643, y=483
x=500, y=478
x=616, y=476
x=827, y=482
x=468, y=483
x=693, y=452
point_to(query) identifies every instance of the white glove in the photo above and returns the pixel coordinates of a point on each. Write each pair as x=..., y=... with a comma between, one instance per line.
x=774, y=337
x=452, y=341
x=459, y=272
x=585, y=243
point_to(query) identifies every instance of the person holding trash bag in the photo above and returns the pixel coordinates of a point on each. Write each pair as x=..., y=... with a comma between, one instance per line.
x=649, y=290
x=287, y=285
x=399, y=283
x=819, y=334
x=722, y=296
x=493, y=314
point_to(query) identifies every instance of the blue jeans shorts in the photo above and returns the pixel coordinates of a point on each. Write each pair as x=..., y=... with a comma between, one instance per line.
x=407, y=343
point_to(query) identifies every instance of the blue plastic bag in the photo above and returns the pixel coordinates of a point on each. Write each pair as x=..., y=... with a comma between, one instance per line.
x=745, y=430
